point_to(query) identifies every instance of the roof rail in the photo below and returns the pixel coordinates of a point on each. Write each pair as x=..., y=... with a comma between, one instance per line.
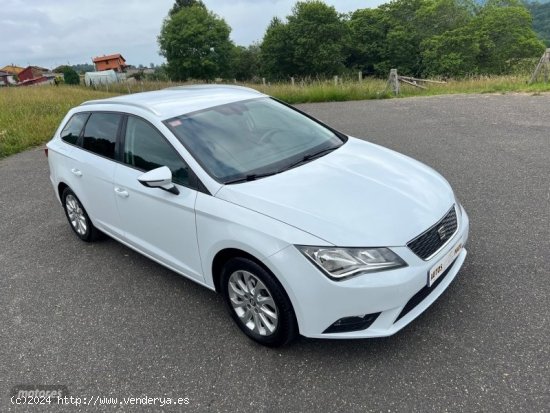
x=120, y=102
x=184, y=87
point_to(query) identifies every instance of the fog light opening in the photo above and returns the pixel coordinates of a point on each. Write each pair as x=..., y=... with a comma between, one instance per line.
x=355, y=323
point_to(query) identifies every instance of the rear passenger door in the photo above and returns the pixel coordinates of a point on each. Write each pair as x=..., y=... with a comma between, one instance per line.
x=94, y=169
x=157, y=222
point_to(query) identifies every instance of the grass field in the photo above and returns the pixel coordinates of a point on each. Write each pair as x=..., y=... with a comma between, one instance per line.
x=30, y=115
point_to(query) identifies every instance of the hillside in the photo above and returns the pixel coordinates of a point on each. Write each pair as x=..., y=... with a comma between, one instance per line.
x=541, y=20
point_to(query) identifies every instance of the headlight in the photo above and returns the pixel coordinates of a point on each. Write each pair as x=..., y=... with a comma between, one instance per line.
x=342, y=263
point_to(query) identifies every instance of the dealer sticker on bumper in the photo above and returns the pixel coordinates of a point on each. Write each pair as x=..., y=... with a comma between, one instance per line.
x=445, y=262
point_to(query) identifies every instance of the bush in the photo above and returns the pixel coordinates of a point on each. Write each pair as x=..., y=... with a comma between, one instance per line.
x=70, y=76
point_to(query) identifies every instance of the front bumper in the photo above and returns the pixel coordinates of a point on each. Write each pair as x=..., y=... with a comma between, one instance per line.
x=318, y=301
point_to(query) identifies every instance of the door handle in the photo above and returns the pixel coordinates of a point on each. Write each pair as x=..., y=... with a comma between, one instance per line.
x=121, y=192
x=76, y=172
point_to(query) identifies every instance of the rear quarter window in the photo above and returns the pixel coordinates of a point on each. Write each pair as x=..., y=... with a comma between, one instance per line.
x=72, y=129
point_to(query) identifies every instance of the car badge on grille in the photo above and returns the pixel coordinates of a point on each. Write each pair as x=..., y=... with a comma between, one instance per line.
x=442, y=232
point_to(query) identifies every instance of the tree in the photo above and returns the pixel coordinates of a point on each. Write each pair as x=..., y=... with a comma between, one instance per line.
x=368, y=29
x=70, y=76
x=310, y=43
x=390, y=36
x=541, y=20
x=494, y=41
x=245, y=62
x=506, y=37
x=195, y=43
x=442, y=37
x=437, y=17
x=401, y=49
x=276, y=51
x=180, y=4
x=454, y=53
x=318, y=33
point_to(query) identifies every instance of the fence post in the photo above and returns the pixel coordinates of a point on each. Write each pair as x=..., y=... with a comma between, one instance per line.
x=263, y=80
x=394, y=81
x=336, y=80
x=543, y=64
x=360, y=76
x=292, y=81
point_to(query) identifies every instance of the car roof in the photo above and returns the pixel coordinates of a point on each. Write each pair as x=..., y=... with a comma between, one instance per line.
x=180, y=100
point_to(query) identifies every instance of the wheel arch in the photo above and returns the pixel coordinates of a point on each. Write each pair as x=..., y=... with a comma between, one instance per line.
x=224, y=255
x=60, y=188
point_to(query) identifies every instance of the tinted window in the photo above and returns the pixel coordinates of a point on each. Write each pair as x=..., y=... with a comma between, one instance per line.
x=100, y=134
x=72, y=129
x=146, y=149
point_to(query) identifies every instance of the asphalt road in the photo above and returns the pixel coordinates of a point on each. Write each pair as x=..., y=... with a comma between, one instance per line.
x=105, y=321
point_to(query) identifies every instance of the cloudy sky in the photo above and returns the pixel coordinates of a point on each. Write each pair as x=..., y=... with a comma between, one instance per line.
x=54, y=32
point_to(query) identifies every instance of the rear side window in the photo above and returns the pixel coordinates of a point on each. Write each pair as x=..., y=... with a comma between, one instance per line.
x=72, y=129
x=146, y=149
x=100, y=134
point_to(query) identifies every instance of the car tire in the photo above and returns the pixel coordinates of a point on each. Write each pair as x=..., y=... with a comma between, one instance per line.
x=258, y=303
x=78, y=218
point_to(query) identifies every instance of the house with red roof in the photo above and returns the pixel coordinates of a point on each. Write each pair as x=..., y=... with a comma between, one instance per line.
x=110, y=62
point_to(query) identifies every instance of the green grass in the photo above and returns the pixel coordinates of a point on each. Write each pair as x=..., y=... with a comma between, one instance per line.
x=481, y=84
x=376, y=89
x=30, y=115
x=326, y=91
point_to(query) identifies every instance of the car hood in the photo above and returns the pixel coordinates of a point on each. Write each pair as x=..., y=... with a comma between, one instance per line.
x=361, y=195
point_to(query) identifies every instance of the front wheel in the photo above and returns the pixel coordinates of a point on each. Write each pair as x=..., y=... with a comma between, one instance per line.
x=258, y=303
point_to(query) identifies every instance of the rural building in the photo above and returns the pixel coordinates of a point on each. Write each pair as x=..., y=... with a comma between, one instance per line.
x=34, y=75
x=12, y=69
x=6, y=79
x=111, y=62
x=31, y=72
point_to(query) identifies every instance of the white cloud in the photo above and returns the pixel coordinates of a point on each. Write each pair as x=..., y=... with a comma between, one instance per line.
x=49, y=33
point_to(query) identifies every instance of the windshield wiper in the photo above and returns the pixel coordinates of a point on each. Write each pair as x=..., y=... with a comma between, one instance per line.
x=309, y=157
x=304, y=159
x=250, y=177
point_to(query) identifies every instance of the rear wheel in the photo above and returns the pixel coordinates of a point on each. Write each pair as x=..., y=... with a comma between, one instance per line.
x=258, y=303
x=78, y=217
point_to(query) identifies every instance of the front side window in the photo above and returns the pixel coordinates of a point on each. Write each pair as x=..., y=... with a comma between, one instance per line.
x=72, y=129
x=100, y=134
x=146, y=149
x=247, y=139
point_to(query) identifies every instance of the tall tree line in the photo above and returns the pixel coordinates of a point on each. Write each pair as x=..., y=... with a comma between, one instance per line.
x=418, y=37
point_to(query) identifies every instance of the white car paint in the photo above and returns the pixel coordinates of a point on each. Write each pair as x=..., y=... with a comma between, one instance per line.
x=361, y=195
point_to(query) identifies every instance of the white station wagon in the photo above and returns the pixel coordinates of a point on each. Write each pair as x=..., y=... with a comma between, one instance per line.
x=302, y=229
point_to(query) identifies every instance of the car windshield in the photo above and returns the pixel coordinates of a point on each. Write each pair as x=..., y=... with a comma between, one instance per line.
x=247, y=140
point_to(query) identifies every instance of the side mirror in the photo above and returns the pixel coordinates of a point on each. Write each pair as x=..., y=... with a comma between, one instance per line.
x=159, y=178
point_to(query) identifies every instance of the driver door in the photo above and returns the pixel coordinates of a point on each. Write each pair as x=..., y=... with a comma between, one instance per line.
x=156, y=222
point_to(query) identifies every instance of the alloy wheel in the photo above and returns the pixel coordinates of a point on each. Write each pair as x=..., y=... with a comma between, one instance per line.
x=253, y=303
x=76, y=215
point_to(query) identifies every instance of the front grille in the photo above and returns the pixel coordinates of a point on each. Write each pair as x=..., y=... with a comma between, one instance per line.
x=426, y=244
x=422, y=294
